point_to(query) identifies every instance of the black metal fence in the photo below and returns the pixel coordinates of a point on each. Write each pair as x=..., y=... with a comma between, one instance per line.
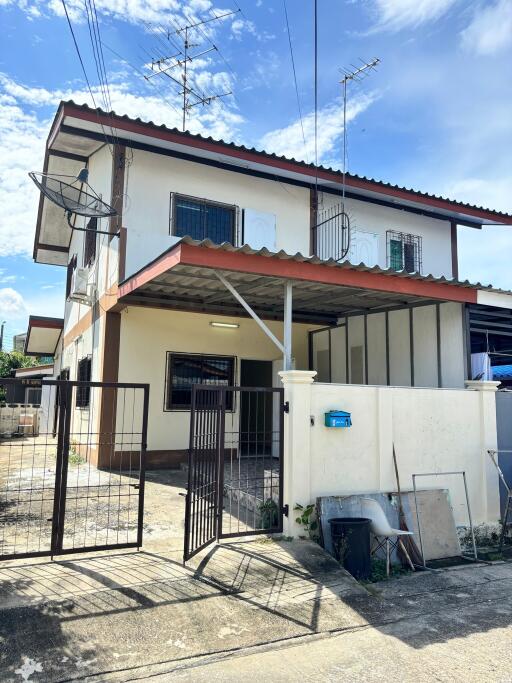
x=72, y=469
x=235, y=464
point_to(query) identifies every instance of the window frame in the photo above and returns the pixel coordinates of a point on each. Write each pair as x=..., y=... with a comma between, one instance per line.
x=83, y=394
x=172, y=408
x=405, y=239
x=90, y=241
x=71, y=267
x=174, y=196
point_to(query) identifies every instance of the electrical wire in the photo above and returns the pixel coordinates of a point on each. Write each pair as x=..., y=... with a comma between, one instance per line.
x=85, y=75
x=295, y=79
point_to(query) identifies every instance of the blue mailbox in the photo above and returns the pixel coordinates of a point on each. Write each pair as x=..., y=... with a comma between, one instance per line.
x=338, y=418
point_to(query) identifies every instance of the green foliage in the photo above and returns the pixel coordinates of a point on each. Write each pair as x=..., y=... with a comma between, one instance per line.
x=268, y=512
x=305, y=515
x=379, y=571
x=11, y=361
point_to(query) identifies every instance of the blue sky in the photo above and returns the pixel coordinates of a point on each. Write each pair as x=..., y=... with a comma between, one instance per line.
x=436, y=116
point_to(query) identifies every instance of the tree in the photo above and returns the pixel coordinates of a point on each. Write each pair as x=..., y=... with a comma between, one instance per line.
x=11, y=361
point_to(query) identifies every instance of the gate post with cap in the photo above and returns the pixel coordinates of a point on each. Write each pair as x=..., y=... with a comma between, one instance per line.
x=297, y=445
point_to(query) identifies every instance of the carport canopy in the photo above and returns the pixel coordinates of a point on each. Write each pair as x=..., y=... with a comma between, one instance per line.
x=222, y=279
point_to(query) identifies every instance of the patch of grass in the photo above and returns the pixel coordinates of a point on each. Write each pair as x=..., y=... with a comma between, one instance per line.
x=379, y=571
x=75, y=458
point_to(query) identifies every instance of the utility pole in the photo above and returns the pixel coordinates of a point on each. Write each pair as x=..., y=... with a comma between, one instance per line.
x=2, y=336
x=191, y=96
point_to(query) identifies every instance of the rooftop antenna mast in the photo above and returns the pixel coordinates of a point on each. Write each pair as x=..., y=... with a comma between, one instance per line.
x=358, y=73
x=181, y=60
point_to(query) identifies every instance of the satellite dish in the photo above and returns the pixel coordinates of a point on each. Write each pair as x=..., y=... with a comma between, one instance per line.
x=72, y=196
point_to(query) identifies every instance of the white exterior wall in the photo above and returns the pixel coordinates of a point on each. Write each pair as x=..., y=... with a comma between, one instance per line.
x=148, y=334
x=433, y=430
x=425, y=351
x=376, y=219
x=151, y=178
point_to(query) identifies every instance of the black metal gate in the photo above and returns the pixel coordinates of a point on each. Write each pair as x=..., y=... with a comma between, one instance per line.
x=72, y=466
x=235, y=475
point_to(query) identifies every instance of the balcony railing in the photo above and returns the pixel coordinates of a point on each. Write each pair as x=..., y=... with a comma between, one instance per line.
x=331, y=234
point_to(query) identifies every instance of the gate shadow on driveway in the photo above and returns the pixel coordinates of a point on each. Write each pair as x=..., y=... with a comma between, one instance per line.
x=111, y=616
x=118, y=610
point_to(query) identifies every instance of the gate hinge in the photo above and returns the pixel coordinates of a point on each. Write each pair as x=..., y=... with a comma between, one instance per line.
x=285, y=510
x=286, y=406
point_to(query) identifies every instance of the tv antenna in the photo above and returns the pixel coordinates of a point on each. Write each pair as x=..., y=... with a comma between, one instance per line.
x=358, y=73
x=181, y=60
x=73, y=198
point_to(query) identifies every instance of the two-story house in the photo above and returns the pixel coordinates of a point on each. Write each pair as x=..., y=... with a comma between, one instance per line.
x=214, y=271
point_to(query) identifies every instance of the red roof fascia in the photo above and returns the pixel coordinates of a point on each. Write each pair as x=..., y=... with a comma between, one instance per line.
x=255, y=264
x=191, y=141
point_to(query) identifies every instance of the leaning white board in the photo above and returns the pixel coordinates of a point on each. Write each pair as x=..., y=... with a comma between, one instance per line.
x=259, y=229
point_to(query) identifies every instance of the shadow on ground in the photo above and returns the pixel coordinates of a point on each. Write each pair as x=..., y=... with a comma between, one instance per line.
x=111, y=616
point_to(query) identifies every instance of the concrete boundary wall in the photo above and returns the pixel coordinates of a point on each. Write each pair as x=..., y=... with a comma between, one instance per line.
x=433, y=430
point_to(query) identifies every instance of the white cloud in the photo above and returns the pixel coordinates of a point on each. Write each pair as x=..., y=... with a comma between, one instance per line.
x=288, y=141
x=395, y=15
x=12, y=304
x=23, y=132
x=170, y=13
x=490, y=29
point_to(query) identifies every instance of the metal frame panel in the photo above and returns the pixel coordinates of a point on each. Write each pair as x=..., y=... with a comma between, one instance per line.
x=85, y=502
x=235, y=478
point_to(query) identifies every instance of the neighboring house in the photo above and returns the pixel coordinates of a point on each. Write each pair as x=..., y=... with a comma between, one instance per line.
x=18, y=342
x=146, y=303
x=28, y=392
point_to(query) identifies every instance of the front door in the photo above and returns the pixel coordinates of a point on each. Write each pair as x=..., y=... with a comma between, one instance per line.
x=255, y=410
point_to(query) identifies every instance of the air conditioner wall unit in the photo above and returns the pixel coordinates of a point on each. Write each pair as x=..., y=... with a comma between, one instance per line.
x=80, y=289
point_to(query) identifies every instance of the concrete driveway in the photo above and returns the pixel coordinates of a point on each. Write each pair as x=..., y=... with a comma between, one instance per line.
x=283, y=611
x=278, y=610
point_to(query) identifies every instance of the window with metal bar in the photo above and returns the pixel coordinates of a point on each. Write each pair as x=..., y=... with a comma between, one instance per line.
x=202, y=219
x=183, y=370
x=404, y=251
x=90, y=242
x=83, y=394
x=69, y=275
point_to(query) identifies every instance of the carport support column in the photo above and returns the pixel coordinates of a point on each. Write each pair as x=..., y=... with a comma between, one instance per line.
x=287, y=336
x=297, y=453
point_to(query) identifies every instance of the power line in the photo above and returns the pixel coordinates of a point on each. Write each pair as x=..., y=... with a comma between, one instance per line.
x=295, y=78
x=85, y=75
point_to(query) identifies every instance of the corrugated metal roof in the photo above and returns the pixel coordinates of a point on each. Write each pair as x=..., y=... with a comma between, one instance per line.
x=246, y=249
x=270, y=155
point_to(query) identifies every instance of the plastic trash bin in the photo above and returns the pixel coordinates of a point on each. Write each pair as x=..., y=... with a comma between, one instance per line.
x=351, y=543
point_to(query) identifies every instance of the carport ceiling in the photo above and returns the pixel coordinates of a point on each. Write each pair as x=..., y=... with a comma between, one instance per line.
x=198, y=289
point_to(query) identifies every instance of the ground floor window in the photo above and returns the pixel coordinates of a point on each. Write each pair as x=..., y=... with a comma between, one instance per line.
x=83, y=394
x=185, y=369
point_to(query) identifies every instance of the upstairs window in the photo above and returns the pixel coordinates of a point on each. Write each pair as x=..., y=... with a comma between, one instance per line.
x=202, y=219
x=184, y=370
x=69, y=275
x=90, y=242
x=83, y=394
x=403, y=252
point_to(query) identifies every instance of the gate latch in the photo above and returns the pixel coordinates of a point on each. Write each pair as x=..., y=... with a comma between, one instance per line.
x=286, y=407
x=285, y=509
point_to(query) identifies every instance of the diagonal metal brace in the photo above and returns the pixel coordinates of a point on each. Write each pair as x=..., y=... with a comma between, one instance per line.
x=249, y=310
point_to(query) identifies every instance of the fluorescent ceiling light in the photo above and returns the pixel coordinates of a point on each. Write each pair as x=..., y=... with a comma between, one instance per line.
x=230, y=326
